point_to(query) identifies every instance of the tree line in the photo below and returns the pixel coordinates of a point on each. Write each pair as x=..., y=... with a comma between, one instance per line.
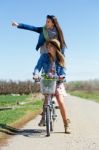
x=27, y=87
x=19, y=87
x=88, y=86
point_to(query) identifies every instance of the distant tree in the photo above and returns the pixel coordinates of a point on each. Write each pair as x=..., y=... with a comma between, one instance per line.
x=20, y=87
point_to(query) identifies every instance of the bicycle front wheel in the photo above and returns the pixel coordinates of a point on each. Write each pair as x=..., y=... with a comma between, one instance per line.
x=48, y=121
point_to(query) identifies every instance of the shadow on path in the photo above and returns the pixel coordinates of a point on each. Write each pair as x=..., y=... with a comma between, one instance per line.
x=25, y=132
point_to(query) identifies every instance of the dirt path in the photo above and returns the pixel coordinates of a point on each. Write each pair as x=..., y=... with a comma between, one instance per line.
x=84, y=125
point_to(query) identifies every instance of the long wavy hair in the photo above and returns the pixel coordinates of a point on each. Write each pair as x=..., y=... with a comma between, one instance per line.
x=59, y=31
x=58, y=55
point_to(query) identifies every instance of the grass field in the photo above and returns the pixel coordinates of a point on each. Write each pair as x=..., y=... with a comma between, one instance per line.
x=11, y=116
x=92, y=95
x=12, y=100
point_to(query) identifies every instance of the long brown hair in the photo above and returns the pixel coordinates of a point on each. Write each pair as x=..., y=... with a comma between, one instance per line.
x=59, y=57
x=59, y=31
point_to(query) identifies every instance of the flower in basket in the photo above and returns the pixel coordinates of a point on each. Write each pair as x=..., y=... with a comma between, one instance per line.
x=48, y=83
x=49, y=76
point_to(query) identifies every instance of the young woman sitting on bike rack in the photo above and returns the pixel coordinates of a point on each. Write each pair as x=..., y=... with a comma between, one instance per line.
x=45, y=63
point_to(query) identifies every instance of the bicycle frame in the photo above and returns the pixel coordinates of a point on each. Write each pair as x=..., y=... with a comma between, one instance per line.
x=50, y=114
x=49, y=108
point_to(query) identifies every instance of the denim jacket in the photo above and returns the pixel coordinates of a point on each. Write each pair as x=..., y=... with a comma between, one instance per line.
x=44, y=64
x=41, y=39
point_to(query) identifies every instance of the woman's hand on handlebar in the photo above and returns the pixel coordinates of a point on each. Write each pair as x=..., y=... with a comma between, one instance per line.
x=36, y=78
x=61, y=77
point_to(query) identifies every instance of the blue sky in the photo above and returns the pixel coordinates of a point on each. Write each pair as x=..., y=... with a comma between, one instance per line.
x=79, y=21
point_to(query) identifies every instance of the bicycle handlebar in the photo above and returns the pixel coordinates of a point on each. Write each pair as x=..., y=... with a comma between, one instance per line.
x=59, y=79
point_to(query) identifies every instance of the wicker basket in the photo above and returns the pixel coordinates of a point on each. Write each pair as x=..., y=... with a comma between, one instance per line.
x=48, y=86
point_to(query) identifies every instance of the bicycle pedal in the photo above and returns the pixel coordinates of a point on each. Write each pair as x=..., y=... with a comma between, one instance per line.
x=53, y=102
x=56, y=107
x=54, y=117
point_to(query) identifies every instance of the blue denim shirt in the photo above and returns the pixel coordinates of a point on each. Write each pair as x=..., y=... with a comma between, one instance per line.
x=41, y=39
x=44, y=64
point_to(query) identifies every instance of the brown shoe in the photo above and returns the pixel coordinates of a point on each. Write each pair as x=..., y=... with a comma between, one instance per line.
x=42, y=122
x=66, y=126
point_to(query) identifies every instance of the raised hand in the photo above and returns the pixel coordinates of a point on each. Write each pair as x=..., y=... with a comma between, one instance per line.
x=14, y=24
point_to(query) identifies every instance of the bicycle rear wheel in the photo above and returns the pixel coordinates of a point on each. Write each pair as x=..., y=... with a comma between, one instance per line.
x=48, y=121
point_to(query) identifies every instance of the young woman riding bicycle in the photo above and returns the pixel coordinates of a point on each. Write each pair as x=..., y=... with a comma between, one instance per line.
x=45, y=63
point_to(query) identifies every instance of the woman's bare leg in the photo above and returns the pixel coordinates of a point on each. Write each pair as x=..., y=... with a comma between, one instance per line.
x=60, y=100
x=42, y=121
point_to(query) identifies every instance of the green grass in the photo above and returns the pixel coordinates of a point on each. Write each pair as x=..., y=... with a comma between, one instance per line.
x=12, y=115
x=83, y=94
x=12, y=100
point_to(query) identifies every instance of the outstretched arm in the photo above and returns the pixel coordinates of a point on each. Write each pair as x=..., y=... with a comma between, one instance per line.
x=27, y=27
